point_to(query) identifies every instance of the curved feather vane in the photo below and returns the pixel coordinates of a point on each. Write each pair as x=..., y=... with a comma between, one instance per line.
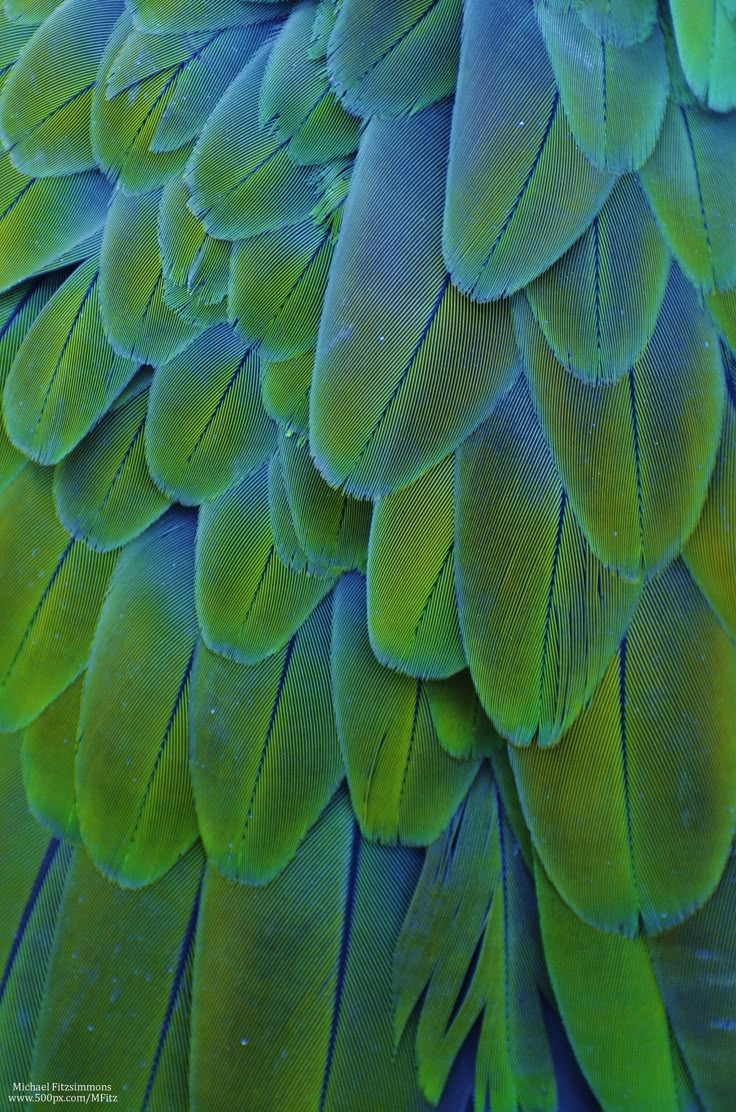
x=403, y=785
x=296, y=96
x=412, y=611
x=695, y=965
x=636, y=457
x=138, y=322
x=369, y=413
x=249, y=602
x=710, y=552
x=317, y=943
x=191, y=259
x=45, y=576
x=202, y=15
x=614, y=98
x=259, y=188
x=134, y=797
x=706, y=41
x=474, y=882
x=256, y=802
x=598, y=306
x=34, y=872
x=628, y=1063
x=632, y=814
x=103, y=490
x=277, y=285
x=45, y=124
x=331, y=526
x=154, y=94
x=65, y=374
x=687, y=183
x=119, y=984
x=396, y=64
x=19, y=308
x=206, y=427
x=49, y=750
x=70, y=209
x=530, y=589
x=392, y=395
x=511, y=146
x=285, y=388
x=625, y=23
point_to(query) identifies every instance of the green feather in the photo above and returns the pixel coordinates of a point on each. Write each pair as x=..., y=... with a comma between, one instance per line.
x=191, y=259
x=103, y=489
x=49, y=749
x=475, y=889
x=292, y=985
x=614, y=98
x=623, y=1047
x=635, y=458
x=265, y=753
x=512, y=146
x=706, y=42
x=412, y=612
x=257, y=187
x=46, y=576
x=45, y=123
x=277, y=286
x=598, y=306
x=206, y=427
x=626, y=23
x=137, y=320
x=632, y=814
x=154, y=95
x=19, y=308
x=14, y=34
x=285, y=540
x=530, y=589
x=65, y=374
x=458, y=717
x=34, y=872
x=696, y=967
x=296, y=98
x=68, y=209
x=201, y=15
x=722, y=307
x=30, y=11
x=331, y=526
x=285, y=387
x=249, y=603
x=379, y=415
x=710, y=552
x=687, y=181
x=397, y=63
x=404, y=786
x=134, y=798
x=119, y=987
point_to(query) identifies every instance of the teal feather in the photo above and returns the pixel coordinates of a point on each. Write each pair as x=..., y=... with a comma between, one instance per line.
x=134, y=797
x=265, y=754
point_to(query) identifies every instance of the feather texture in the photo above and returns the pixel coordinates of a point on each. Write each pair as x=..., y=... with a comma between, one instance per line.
x=636, y=457
x=403, y=785
x=65, y=374
x=512, y=146
x=134, y=797
x=206, y=427
x=530, y=590
x=249, y=602
x=45, y=575
x=632, y=814
x=257, y=798
x=392, y=395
